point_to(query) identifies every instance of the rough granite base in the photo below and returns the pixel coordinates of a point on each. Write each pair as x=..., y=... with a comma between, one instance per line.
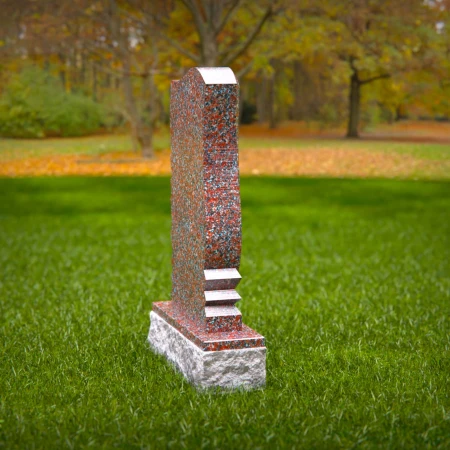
x=241, y=368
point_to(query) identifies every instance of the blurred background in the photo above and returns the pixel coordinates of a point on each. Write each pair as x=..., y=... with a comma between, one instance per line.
x=347, y=279
x=310, y=73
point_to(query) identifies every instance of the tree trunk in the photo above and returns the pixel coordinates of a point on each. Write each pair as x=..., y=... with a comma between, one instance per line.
x=354, y=106
x=62, y=70
x=400, y=113
x=262, y=99
x=147, y=149
x=242, y=99
x=298, y=106
x=145, y=139
x=141, y=134
x=82, y=70
x=108, y=78
x=94, y=81
x=209, y=50
x=271, y=103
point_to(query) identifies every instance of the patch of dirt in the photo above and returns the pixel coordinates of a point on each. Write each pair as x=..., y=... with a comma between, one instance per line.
x=325, y=162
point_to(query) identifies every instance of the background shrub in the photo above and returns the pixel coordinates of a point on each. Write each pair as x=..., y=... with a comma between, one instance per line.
x=34, y=104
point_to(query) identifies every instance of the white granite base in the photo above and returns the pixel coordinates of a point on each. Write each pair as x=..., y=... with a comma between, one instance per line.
x=245, y=368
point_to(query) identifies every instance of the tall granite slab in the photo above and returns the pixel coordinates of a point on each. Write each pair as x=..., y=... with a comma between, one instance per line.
x=201, y=329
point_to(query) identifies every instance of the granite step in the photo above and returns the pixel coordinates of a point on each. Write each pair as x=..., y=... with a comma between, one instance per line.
x=223, y=297
x=221, y=279
x=223, y=318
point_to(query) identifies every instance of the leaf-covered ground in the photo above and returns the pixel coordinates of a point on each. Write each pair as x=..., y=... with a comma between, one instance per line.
x=318, y=159
x=349, y=280
x=413, y=150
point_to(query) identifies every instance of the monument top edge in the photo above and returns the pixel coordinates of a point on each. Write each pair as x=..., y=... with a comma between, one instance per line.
x=217, y=75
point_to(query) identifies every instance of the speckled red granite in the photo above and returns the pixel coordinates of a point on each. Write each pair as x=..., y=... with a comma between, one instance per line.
x=206, y=210
x=223, y=318
x=245, y=338
x=188, y=199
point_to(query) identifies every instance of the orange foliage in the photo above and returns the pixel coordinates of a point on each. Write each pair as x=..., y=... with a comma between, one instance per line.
x=324, y=161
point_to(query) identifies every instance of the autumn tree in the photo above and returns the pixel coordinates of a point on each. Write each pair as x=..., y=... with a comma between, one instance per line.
x=295, y=58
x=376, y=40
x=124, y=38
x=105, y=36
x=214, y=33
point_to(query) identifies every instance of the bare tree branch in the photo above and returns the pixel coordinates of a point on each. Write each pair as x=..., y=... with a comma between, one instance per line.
x=196, y=13
x=245, y=70
x=351, y=61
x=110, y=71
x=179, y=47
x=377, y=77
x=205, y=11
x=189, y=4
x=242, y=48
x=227, y=16
x=159, y=29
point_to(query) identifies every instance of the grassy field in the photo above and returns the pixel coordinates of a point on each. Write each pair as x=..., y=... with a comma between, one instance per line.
x=91, y=145
x=433, y=151
x=348, y=280
x=109, y=143
x=271, y=155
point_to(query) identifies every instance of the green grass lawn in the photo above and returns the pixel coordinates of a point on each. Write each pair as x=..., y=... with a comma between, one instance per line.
x=349, y=281
x=431, y=151
x=90, y=145
x=94, y=145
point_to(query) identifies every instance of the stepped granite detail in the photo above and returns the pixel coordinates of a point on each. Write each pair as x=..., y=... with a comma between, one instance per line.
x=201, y=329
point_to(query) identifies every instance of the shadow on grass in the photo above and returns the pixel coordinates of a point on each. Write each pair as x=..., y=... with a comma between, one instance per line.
x=151, y=195
x=374, y=197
